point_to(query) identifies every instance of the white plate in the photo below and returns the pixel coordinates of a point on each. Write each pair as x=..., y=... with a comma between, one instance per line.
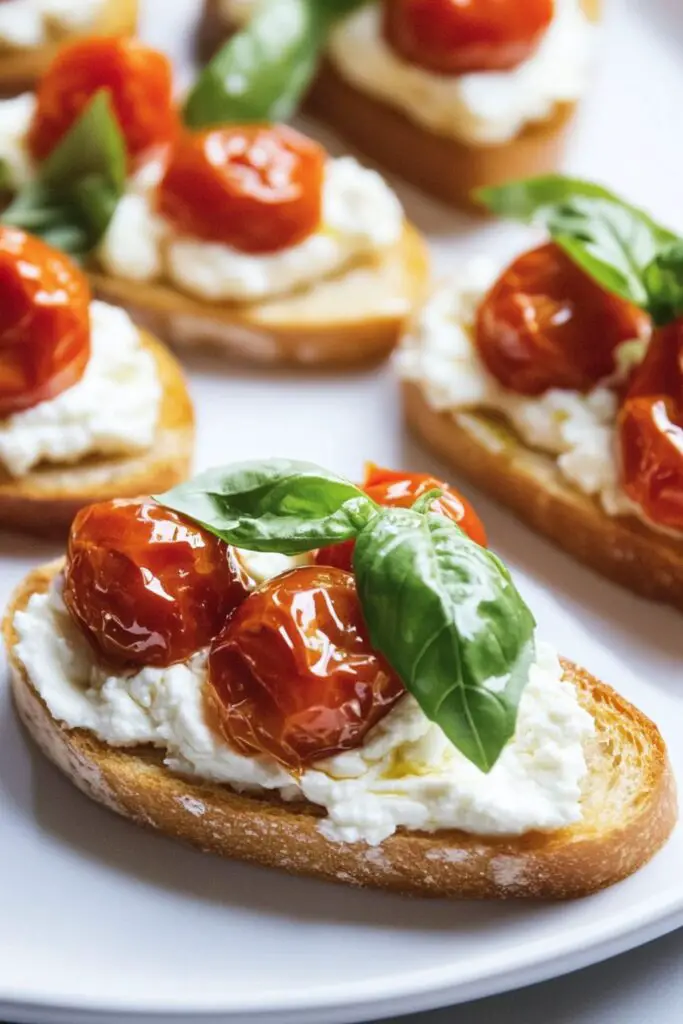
x=99, y=918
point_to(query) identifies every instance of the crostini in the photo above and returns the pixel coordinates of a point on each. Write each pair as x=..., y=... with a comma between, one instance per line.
x=31, y=31
x=245, y=236
x=557, y=385
x=90, y=406
x=450, y=95
x=339, y=682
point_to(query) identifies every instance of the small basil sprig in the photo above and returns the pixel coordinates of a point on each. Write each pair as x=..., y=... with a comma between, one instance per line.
x=279, y=505
x=618, y=245
x=443, y=611
x=72, y=200
x=263, y=71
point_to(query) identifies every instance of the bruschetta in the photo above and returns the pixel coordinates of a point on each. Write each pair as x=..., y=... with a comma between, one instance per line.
x=31, y=32
x=245, y=236
x=277, y=682
x=451, y=96
x=555, y=383
x=90, y=406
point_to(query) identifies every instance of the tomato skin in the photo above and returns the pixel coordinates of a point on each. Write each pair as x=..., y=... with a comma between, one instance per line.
x=140, y=85
x=147, y=586
x=545, y=324
x=292, y=674
x=397, y=489
x=651, y=430
x=44, y=322
x=455, y=37
x=254, y=187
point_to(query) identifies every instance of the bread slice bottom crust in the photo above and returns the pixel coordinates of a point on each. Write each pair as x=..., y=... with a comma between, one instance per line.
x=487, y=451
x=44, y=502
x=441, y=166
x=630, y=807
x=20, y=69
x=353, y=317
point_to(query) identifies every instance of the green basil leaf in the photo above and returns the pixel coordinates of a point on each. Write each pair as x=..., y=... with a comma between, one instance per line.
x=611, y=240
x=6, y=177
x=93, y=146
x=664, y=283
x=276, y=505
x=71, y=202
x=263, y=71
x=446, y=615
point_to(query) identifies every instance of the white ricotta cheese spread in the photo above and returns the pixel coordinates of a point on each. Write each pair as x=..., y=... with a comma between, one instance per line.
x=440, y=356
x=25, y=24
x=405, y=774
x=361, y=217
x=15, y=119
x=481, y=108
x=113, y=408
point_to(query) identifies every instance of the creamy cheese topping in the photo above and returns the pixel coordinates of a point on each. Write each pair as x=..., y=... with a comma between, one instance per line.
x=114, y=408
x=15, y=119
x=25, y=24
x=441, y=357
x=479, y=108
x=406, y=774
x=361, y=217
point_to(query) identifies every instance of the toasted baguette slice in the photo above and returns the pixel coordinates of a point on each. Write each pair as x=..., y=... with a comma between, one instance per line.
x=354, y=317
x=20, y=69
x=488, y=451
x=630, y=807
x=443, y=167
x=45, y=501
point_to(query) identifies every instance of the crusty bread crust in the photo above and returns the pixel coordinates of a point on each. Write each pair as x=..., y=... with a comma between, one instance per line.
x=20, y=69
x=487, y=451
x=352, y=318
x=610, y=844
x=45, y=501
x=443, y=167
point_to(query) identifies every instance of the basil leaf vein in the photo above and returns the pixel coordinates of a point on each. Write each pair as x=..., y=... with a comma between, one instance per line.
x=447, y=617
x=277, y=505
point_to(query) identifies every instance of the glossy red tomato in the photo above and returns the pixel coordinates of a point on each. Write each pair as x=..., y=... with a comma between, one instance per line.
x=293, y=675
x=545, y=324
x=147, y=586
x=401, y=490
x=651, y=430
x=140, y=85
x=254, y=187
x=454, y=37
x=44, y=322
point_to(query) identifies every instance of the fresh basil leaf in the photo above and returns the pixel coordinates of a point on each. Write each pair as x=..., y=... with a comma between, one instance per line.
x=446, y=615
x=608, y=238
x=276, y=505
x=664, y=283
x=71, y=202
x=93, y=146
x=263, y=71
x=6, y=177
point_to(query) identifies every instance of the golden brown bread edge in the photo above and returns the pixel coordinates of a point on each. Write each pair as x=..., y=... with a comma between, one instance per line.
x=487, y=451
x=571, y=863
x=21, y=69
x=350, y=318
x=443, y=167
x=44, y=502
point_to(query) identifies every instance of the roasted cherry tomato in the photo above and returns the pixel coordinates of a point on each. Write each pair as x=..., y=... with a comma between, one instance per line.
x=147, y=586
x=545, y=324
x=651, y=430
x=293, y=675
x=44, y=322
x=454, y=37
x=254, y=187
x=139, y=81
x=401, y=490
